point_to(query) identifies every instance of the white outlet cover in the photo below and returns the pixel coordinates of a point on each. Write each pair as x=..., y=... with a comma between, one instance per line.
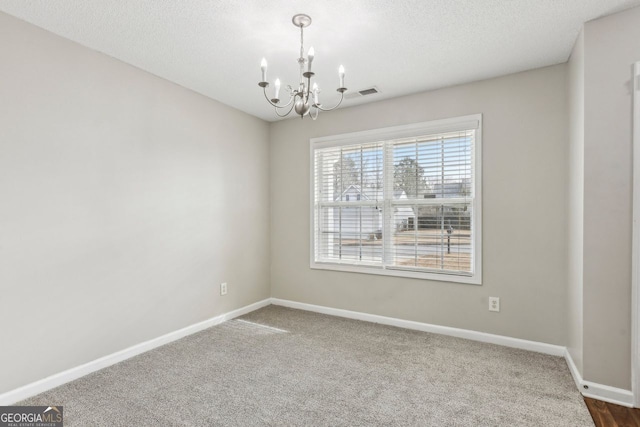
x=494, y=304
x=223, y=289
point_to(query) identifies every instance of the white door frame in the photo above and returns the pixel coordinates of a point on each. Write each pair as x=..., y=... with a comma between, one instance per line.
x=635, y=269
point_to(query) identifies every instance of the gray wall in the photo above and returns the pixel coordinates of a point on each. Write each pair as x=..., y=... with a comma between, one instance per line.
x=575, y=201
x=612, y=45
x=126, y=200
x=525, y=252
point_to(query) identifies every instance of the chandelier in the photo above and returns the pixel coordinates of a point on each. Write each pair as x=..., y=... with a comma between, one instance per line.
x=305, y=99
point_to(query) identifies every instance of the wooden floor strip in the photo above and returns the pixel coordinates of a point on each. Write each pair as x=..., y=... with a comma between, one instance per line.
x=609, y=415
x=623, y=416
x=599, y=412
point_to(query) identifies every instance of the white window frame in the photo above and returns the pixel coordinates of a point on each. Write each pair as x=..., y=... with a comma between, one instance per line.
x=454, y=124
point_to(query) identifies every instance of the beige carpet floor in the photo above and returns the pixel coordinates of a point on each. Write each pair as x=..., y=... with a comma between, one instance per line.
x=284, y=367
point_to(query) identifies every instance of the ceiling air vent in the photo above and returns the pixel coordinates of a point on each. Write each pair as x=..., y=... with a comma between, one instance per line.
x=363, y=92
x=370, y=91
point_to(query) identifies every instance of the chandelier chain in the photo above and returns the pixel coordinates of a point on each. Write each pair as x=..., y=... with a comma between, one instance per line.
x=301, y=41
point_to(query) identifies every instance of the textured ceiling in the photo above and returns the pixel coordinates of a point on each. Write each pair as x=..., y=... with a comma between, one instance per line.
x=402, y=47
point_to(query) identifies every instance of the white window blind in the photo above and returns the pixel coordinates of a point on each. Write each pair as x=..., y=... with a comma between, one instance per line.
x=349, y=196
x=399, y=206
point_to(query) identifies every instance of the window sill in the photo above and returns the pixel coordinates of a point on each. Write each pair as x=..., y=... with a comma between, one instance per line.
x=441, y=277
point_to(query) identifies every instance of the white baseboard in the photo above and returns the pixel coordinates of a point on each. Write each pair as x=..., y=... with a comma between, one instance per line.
x=573, y=369
x=554, y=350
x=602, y=392
x=48, y=383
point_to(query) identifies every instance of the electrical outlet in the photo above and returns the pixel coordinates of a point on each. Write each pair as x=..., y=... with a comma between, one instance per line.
x=494, y=304
x=223, y=289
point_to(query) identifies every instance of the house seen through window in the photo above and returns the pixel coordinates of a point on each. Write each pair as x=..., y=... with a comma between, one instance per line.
x=400, y=201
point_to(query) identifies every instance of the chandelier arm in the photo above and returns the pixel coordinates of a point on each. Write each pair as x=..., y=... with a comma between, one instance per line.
x=276, y=105
x=332, y=108
x=285, y=114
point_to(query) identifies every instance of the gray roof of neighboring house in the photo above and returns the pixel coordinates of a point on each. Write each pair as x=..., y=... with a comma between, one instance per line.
x=448, y=189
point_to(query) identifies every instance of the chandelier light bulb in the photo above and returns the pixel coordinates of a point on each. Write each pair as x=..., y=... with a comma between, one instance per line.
x=315, y=94
x=310, y=56
x=277, y=85
x=263, y=68
x=341, y=74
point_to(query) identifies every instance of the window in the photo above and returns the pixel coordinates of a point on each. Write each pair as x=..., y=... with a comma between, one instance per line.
x=417, y=205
